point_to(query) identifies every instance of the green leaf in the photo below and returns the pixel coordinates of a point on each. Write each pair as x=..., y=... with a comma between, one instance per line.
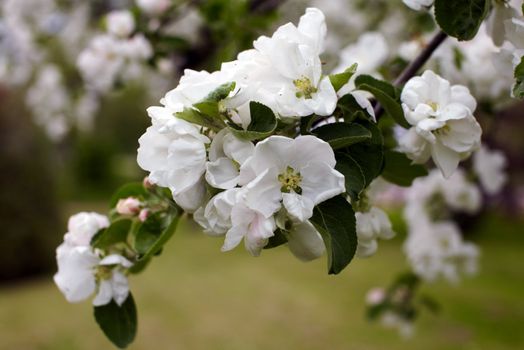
x=334, y=219
x=386, y=94
x=119, y=323
x=353, y=175
x=461, y=18
x=341, y=135
x=369, y=155
x=349, y=109
x=263, y=123
x=398, y=169
x=341, y=79
x=117, y=232
x=150, y=230
x=277, y=240
x=151, y=246
x=518, y=88
x=133, y=189
x=220, y=92
x=194, y=116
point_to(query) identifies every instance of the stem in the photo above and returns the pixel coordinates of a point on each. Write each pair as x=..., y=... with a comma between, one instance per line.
x=415, y=66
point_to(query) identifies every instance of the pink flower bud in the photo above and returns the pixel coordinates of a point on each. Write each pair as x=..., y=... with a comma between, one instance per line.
x=375, y=296
x=128, y=206
x=143, y=215
x=147, y=183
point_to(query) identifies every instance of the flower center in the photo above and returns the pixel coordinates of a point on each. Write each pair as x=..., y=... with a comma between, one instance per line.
x=442, y=131
x=290, y=181
x=103, y=272
x=433, y=105
x=304, y=87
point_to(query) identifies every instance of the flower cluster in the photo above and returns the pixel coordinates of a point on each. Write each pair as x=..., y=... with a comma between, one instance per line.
x=116, y=55
x=83, y=270
x=434, y=246
x=233, y=186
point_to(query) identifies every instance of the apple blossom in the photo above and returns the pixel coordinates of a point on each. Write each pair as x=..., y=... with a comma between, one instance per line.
x=293, y=69
x=489, y=167
x=120, y=23
x=371, y=225
x=83, y=226
x=298, y=173
x=443, y=121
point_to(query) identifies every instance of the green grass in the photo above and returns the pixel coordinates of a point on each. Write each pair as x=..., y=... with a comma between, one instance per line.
x=194, y=297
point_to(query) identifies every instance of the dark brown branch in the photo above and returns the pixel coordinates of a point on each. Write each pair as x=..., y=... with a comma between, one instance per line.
x=415, y=66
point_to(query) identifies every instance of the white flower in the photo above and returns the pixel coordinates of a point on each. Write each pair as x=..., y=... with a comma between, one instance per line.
x=489, y=167
x=418, y=5
x=83, y=226
x=153, y=7
x=115, y=285
x=75, y=277
x=297, y=172
x=431, y=197
x=81, y=272
x=120, y=23
x=250, y=225
x=500, y=13
x=371, y=226
x=437, y=250
x=442, y=115
x=226, y=154
x=290, y=64
x=136, y=48
x=175, y=156
x=128, y=206
x=215, y=217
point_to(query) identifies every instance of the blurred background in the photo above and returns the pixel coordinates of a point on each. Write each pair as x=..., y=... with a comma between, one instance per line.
x=68, y=139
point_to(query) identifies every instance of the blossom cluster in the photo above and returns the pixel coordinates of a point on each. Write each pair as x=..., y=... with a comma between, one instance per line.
x=84, y=270
x=115, y=55
x=233, y=186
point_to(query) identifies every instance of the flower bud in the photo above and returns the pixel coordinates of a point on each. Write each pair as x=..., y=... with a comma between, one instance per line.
x=375, y=296
x=143, y=215
x=128, y=206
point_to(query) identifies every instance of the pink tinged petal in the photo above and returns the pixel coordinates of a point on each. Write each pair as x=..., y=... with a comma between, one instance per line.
x=263, y=194
x=446, y=159
x=298, y=207
x=321, y=182
x=222, y=173
x=305, y=242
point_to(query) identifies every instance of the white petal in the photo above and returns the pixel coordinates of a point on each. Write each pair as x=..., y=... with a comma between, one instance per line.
x=192, y=198
x=321, y=182
x=222, y=173
x=446, y=159
x=263, y=194
x=237, y=149
x=298, y=207
x=105, y=293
